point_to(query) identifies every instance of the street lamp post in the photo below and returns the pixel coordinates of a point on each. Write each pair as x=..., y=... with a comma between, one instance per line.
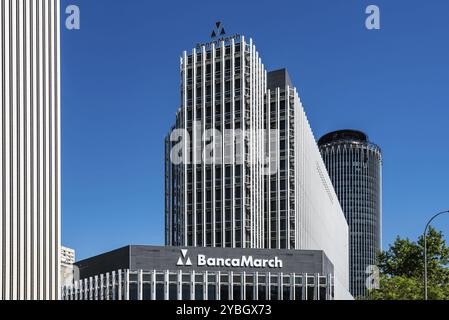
x=425, y=250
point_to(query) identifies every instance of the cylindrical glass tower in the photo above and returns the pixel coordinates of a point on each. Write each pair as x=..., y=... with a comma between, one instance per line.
x=355, y=168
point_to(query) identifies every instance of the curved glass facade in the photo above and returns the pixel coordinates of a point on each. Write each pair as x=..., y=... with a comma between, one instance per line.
x=355, y=168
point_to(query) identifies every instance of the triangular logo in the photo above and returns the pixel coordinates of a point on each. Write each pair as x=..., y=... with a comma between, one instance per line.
x=183, y=257
x=219, y=30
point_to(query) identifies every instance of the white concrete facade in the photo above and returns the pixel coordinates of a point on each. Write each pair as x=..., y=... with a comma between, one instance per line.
x=30, y=153
x=322, y=224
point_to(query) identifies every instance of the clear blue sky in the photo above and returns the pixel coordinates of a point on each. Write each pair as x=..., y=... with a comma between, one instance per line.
x=120, y=80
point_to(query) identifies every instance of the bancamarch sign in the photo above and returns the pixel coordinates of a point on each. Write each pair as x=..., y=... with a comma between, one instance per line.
x=238, y=262
x=242, y=262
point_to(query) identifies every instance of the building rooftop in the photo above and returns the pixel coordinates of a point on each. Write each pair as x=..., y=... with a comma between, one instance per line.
x=343, y=135
x=278, y=79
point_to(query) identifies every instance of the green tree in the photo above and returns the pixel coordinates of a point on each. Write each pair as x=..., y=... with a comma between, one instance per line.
x=402, y=269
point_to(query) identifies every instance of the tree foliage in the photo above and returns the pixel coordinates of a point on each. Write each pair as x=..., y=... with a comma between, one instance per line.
x=402, y=269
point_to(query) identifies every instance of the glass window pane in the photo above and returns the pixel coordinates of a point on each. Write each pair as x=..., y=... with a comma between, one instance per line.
x=298, y=293
x=262, y=293
x=133, y=291
x=322, y=293
x=146, y=291
x=211, y=292
x=159, y=291
x=286, y=292
x=236, y=292
x=173, y=291
x=186, y=292
x=274, y=293
x=199, y=292
x=224, y=293
x=249, y=292
x=310, y=293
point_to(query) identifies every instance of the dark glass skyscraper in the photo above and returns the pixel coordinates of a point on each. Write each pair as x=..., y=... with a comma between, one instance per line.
x=355, y=168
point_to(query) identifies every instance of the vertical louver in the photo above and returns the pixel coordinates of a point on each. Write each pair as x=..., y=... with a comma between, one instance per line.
x=30, y=153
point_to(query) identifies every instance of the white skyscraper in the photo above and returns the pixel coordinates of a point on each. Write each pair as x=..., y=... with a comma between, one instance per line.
x=261, y=190
x=30, y=153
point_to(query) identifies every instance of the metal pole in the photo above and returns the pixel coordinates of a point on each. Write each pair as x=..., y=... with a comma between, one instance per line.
x=425, y=250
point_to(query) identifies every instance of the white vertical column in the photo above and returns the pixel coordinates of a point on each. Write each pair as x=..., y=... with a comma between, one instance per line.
x=153, y=285
x=40, y=143
x=268, y=281
x=262, y=90
x=179, y=286
x=53, y=177
x=256, y=286
x=86, y=290
x=258, y=149
x=244, y=285
x=278, y=176
x=218, y=286
x=203, y=107
x=14, y=146
x=192, y=285
x=205, y=285
x=253, y=193
x=75, y=291
x=126, y=285
x=233, y=145
x=268, y=176
x=20, y=156
x=107, y=289
x=287, y=143
x=231, y=285
x=91, y=288
x=34, y=152
x=186, y=146
x=140, y=285
x=46, y=150
x=120, y=285
x=28, y=165
x=194, y=146
x=292, y=286
x=2, y=153
x=114, y=286
x=101, y=287
x=244, y=158
x=7, y=114
x=223, y=150
x=213, y=52
x=57, y=119
x=280, y=286
x=81, y=290
x=166, y=285
x=96, y=288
